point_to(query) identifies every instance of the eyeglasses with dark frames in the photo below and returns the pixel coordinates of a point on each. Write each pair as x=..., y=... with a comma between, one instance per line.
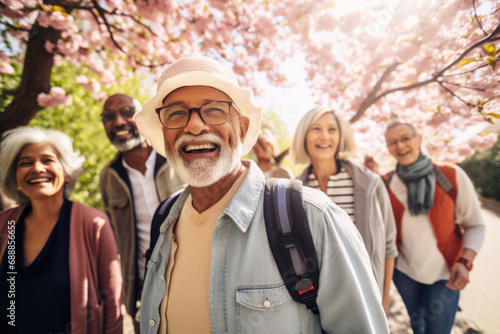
x=403, y=140
x=109, y=115
x=174, y=117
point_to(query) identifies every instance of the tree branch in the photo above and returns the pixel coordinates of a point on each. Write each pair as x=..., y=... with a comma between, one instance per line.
x=102, y=13
x=136, y=20
x=372, y=96
x=455, y=95
x=465, y=87
x=477, y=19
x=467, y=72
x=491, y=37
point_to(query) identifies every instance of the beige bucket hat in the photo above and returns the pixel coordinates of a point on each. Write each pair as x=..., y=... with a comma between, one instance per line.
x=197, y=71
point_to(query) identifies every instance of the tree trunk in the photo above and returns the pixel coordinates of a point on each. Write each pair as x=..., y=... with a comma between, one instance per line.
x=35, y=79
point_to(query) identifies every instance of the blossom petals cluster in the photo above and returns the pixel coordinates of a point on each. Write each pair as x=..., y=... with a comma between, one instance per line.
x=351, y=57
x=56, y=19
x=56, y=97
x=5, y=66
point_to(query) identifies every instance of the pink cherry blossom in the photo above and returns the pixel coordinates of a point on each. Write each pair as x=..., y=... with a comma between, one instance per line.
x=5, y=66
x=392, y=46
x=57, y=96
x=91, y=84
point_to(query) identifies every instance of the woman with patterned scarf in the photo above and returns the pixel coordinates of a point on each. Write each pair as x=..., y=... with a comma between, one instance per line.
x=439, y=231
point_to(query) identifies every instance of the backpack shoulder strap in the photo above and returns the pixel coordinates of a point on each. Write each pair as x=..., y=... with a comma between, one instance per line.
x=290, y=240
x=159, y=217
x=443, y=180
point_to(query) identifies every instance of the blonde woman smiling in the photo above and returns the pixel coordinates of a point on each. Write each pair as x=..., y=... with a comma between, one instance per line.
x=325, y=141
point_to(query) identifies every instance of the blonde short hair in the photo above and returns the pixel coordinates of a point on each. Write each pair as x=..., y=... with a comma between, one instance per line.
x=298, y=151
x=15, y=140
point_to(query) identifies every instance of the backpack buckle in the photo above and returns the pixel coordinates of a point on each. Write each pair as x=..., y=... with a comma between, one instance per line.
x=288, y=240
x=304, y=285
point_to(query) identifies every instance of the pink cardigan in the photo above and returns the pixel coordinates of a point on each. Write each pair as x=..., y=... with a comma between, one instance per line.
x=94, y=270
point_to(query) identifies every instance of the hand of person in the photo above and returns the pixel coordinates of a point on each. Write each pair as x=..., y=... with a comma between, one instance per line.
x=459, y=277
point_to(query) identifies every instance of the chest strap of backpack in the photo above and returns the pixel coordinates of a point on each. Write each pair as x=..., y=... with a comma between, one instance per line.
x=290, y=240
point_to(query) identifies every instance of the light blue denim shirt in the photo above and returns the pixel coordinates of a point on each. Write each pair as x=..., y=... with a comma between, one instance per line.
x=243, y=273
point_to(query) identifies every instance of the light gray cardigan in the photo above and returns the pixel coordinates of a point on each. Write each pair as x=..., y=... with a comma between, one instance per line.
x=373, y=215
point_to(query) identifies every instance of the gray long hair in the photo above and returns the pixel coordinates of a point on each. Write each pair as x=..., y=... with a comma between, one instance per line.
x=15, y=140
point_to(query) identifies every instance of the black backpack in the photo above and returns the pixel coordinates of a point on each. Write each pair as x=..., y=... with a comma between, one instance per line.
x=288, y=234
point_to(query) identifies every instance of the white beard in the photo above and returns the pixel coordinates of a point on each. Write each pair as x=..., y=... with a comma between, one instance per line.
x=128, y=145
x=203, y=172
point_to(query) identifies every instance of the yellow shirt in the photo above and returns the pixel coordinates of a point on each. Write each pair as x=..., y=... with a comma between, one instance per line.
x=185, y=307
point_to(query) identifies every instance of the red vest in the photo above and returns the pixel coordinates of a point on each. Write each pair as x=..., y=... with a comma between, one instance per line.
x=449, y=235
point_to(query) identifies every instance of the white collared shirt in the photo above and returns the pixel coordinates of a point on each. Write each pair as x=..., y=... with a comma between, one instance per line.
x=145, y=203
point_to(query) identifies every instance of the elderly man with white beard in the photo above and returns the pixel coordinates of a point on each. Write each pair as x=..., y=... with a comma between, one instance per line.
x=212, y=269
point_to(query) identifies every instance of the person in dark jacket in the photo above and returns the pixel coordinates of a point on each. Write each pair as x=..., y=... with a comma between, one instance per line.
x=132, y=185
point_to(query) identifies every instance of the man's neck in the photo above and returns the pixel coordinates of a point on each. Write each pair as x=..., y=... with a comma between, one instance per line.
x=137, y=157
x=204, y=198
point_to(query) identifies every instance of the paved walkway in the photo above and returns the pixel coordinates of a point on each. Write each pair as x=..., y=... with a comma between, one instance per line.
x=480, y=301
x=481, y=297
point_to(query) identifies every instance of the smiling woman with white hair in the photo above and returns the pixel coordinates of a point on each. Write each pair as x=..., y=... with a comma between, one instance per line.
x=51, y=244
x=325, y=141
x=439, y=230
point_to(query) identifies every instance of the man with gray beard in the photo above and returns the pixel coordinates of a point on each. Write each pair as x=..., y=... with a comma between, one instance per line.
x=132, y=185
x=212, y=269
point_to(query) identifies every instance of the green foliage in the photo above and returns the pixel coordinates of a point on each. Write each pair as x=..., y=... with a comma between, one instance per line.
x=484, y=169
x=9, y=82
x=82, y=122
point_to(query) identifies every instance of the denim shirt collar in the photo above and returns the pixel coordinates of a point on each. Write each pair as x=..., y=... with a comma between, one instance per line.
x=242, y=207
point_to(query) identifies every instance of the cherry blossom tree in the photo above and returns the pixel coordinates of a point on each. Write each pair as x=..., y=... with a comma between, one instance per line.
x=432, y=63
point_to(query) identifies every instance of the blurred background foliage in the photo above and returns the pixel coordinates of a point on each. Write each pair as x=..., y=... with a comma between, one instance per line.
x=484, y=169
x=81, y=120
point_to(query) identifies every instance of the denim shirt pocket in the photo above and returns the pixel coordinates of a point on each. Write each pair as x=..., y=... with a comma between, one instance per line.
x=267, y=310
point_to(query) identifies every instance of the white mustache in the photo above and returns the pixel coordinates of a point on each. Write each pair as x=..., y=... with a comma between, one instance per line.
x=205, y=137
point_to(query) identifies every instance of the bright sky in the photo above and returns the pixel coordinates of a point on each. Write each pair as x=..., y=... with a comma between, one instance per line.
x=292, y=103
